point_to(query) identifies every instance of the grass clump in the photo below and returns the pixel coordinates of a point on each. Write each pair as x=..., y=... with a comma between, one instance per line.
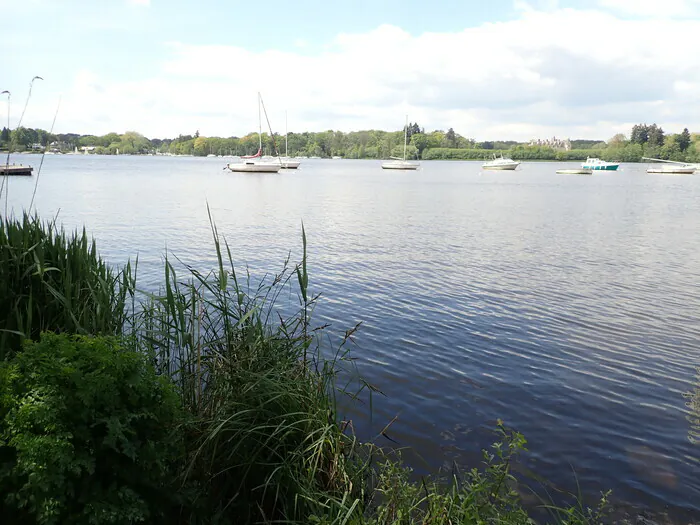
x=263, y=441
x=88, y=434
x=53, y=281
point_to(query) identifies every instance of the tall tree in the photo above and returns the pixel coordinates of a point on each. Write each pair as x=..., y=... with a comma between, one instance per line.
x=656, y=135
x=640, y=134
x=683, y=140
x=451, y=137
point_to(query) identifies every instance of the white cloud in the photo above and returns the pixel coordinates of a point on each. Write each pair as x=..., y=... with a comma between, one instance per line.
x=653, y=8
x=577, y=73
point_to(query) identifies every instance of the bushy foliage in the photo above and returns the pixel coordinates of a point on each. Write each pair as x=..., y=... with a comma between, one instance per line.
x=51, y=281
x=88, y=434
x=484, y=495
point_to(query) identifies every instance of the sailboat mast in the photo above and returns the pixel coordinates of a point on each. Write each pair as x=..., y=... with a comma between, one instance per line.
x=286, y=132
x=405, y=138
x=259, y=123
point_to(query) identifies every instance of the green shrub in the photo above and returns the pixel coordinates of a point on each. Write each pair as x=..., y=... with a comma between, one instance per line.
x=88, y=434
x=50, y=281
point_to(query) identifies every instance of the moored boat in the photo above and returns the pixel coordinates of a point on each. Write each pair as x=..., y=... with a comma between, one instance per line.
x=671, y=167
x=287, y=162
x=672, y=170
x=575, y=171
x=401, y=164
x=501, y=163
x=596, y=164
x=254, y=163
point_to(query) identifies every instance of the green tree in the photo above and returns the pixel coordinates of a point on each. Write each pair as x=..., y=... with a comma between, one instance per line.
x=656, y=135
x=420, y=142
x=640, y=134
x=618, y=141
x=683, y=140
x=451, y=138
x=200, y=146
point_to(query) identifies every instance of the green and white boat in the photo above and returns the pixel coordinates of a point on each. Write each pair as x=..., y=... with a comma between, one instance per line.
x=596, y=164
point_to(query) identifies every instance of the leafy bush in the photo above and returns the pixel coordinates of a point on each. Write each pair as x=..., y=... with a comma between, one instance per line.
x=50, y=281
x=87, y=434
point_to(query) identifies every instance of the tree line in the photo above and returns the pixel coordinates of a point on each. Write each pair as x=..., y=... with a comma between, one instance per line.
x=644, y=141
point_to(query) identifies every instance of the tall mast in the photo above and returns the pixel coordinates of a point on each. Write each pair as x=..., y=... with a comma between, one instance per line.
x=259, y=122
x=286, y=132
x=405, y=138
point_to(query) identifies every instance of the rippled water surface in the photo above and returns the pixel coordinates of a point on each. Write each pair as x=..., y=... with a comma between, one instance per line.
x=566, y=305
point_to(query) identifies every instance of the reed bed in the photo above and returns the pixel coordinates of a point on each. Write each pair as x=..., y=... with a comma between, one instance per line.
x=53, y=281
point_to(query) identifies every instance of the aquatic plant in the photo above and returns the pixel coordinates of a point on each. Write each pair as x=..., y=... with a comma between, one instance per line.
x=54, y=281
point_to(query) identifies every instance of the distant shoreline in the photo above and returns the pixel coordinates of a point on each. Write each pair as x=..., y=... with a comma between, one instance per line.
x=505, y=152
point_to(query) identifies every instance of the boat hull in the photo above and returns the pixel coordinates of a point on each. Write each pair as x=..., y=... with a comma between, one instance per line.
x=611, y=167
x=505, y=167
x=672, y=171
x=250, y=167
x=290, y=164
x=581, y=171
x=399, y=165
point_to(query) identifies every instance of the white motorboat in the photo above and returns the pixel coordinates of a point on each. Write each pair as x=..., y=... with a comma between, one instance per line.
x=401, y=164
x=254, y=163
x=501, y=163
x=596, y=164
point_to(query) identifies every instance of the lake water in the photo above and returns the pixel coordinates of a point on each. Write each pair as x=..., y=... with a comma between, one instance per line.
x=568, y=306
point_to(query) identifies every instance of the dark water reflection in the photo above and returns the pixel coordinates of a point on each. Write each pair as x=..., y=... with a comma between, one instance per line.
x=567, y=306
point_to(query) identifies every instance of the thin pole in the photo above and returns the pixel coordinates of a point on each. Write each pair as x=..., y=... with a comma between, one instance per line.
x=405, y=138
x=286, y=132
x=259, y=123
x=5, y=180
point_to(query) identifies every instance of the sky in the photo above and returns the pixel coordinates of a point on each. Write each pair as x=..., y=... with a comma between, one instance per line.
x=492, y=70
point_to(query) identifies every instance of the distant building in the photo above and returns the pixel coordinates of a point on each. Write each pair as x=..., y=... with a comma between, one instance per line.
x=553, y=143
x=37, y=147
x=87, y=149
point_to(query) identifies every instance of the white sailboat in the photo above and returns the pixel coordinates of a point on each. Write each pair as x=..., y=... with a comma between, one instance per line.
x=254, y=163
x=287, y=163
x=672, y=167
x=402, y=164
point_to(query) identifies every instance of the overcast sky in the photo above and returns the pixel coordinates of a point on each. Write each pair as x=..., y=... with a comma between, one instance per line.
x=492, y=69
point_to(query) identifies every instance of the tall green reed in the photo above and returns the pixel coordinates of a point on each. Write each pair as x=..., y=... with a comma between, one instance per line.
x=264, y=440
x=54, y=281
